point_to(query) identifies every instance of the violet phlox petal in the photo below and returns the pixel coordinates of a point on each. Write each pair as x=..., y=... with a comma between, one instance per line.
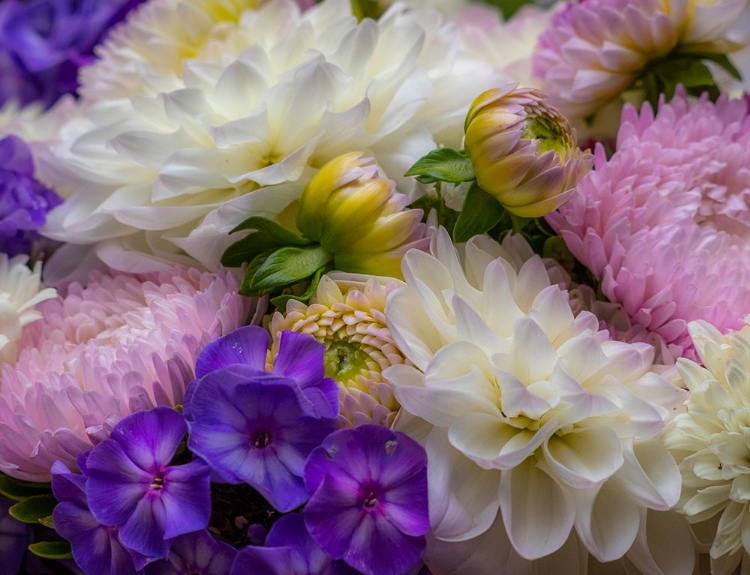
x=196, y=553
x=245, y=345
x=369, y=484
x=255, y=430
x=301, y=357
x=289, y=550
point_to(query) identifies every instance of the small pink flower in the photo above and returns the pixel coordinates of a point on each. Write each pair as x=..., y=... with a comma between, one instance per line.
x=122, y=344
x=665, y=223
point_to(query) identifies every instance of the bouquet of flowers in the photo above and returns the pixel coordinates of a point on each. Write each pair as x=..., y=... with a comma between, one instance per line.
x=388, y=288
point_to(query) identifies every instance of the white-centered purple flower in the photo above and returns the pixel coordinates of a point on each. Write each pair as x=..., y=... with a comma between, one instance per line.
x=131, y=484
x=289, y=550
x=96, y=548
x=195, y=553
x=369, y=499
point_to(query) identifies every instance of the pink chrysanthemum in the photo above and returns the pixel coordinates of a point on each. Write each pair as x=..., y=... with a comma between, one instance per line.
x=122, y=344
x=665, y=223
x=595, y=49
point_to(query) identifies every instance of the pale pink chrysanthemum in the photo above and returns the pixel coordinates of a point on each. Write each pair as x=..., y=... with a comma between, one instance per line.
x=665, y=223
x=122, y=344
x=595, y=49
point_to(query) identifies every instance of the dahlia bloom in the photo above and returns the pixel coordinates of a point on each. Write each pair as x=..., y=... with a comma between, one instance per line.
x=44, y=42
x=595, y=49
x=709, y=440
x=246, y=123
x=20, y=292
x=664, y=224
x=122, y=344
x=358, y=218
x=524, y=153
x=347, y=317
x=526, y=411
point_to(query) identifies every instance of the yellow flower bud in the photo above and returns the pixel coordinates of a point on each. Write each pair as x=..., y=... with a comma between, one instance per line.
x=359, y=218
x=523, y=151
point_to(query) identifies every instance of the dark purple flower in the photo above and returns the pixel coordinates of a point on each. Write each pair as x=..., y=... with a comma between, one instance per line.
x=289, y=550
x=97, y=549
x=254, y=427
x=369, y=499
x=24, y=202
x=132, y=485
x=195, y=554
x=300, y=358
x=44, y=42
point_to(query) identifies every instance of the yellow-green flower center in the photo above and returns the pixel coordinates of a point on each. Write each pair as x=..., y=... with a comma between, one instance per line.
x=345, y=361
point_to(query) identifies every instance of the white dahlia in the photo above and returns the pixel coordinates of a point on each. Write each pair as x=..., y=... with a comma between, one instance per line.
x=530, y=413
x=711, y=442
x=245, y=124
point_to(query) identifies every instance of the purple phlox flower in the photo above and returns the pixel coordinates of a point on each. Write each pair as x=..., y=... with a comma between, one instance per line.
x=369, y=499
x=97, y=549
x=289, y=550
x=254, y=427
x=195, y=553
x=132, y=485
x=24, y=202
x=300, y=358
x=44, y=42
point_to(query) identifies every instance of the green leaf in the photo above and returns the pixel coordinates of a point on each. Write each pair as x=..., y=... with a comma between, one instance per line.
x=289, y=265
x=281, y=235
x=18, y=490
x=253, y=267
x=280, y=301
x=479, y=214
x=269, y=235
x=51, y=549
x=664, y=75
x=554, y=247
x=47, y=522
x=443, y=165
x=33, y=509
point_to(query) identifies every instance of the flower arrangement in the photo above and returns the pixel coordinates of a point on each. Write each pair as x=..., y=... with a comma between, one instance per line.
x=370, y=287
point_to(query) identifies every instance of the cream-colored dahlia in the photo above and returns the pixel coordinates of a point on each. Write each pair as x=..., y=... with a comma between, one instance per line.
x=21, y=290
x=241, y=128
x=711, y=442
x=347, y=317
x=529, y=415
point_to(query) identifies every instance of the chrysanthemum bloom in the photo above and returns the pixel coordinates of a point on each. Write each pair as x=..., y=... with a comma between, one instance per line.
x=122, y=344
x=358, y=218
x=131, y=484
x=369, y=499
x=255, y=427
x=710, y=443
x=288, y=550
x=523, y=150
x=348, y=319
x=44, y=42
x=664, y=224
x=595, y=49
x=96, y=548
x=526, y=411
x=24, y=202
x=246, y=123
x=20, y=292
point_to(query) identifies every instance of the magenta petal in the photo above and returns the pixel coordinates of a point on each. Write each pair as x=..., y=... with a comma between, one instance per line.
x=245, y=345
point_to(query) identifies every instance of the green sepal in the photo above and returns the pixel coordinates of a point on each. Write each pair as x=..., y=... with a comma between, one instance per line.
x=51, y=549
x=443, y=165
x=280, y=301
x=664, y=75
x=268, y=235
x=288, y=266
x=253, y=267
x=33, y=509
x=18, y=490
x=480, y=213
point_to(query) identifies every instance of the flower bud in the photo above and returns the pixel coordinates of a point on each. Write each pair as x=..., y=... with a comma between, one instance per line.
x=359, y=218
x=523, y=151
